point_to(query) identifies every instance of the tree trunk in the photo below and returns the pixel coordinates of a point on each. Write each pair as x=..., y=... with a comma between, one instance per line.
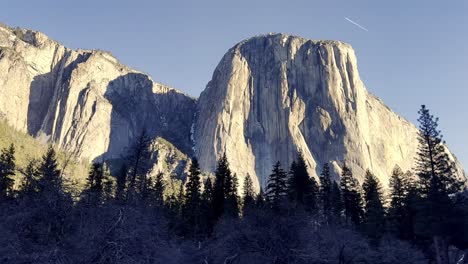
x=441, y=248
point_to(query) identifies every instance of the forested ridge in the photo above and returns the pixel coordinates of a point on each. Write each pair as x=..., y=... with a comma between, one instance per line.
x=129, y=217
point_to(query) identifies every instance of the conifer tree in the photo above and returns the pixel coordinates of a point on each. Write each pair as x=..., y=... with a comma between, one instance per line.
x=326, y=191
x=191, y=210
x=249, y=194
x=303, y=189
x=223, y=175
x=433, y=165
x=260, y=200
x=400, y=212
x=232, y=198
x=374, y=216
x=208, y=191
x=7, y=171
x=94, y=184
x=49, y=174
x=121, y=183
x=99, y=184
x=277, y=190
x=207, y=207
x=53, y=202
x=29, y=185
x=336, y=202
x=351, y=197
x=437, y=181
x=139, y=158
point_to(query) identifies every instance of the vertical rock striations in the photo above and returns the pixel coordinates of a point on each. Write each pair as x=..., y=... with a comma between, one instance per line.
x=85, y=101
x=272, y=96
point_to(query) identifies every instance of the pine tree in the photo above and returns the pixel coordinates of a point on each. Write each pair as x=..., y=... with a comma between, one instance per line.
x=29, y=185
x=374, y=217
x=277, y=190
x=99, y=184
x=434, y=167
x=303, y=189
x=437, y=182
x=351, y=197
x=54, y=204
x=121, y=183
x=139, y=158
x=207, y=207
x=336, y=202
x=49, y=174
x=232, y=198
x=326, y=191
x=191, y=210
x=260, y=199
x=249, y=194
x=399, y=213
x=223, y=174
x=208, y=190
x=7, y=171
x=94, y=186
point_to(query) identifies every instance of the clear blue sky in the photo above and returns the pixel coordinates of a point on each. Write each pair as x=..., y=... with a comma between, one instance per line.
x=414, y=52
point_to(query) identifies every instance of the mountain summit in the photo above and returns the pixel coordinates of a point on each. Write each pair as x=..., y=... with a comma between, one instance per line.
x=270, y=97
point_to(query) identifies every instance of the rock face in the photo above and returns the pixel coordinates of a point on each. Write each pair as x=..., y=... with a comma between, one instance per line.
x=272, y=96
x=85, y=101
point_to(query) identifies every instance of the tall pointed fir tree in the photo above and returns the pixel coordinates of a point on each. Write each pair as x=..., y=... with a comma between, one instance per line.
x=351, y=197
x=303, y=189
x=94, y=184
x=52, y=202
x=98, y=184
x=29, y=185
x=231, y=207
x=249, y=195
x=223, y=174
x=326, y=192
x=49, y=174
x=138, y=161
x=277, y=189
x=7, y=171
x=400, y=212
x=191, y=210
x=336, y=203
x=207, y=206
x=374, y=216
x=437, y=181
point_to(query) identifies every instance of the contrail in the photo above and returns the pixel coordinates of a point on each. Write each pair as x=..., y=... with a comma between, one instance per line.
x=356, y=24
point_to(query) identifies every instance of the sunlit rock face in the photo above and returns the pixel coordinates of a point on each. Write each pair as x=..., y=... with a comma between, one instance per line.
x=274, y=95
x=270, y=97
x=85, y=101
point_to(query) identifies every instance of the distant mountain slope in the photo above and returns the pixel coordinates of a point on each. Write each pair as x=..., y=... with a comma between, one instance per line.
x=85, y=101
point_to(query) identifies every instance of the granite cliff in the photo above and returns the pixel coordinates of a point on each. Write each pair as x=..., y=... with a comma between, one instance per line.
x=274, y=95
x=270, y=97
x=85, y=101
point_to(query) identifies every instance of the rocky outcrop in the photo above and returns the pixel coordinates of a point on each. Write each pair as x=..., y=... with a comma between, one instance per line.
x=272, y=96
x=85, y=100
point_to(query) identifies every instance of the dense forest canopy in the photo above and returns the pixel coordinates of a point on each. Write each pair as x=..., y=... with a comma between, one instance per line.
x=132, y=218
